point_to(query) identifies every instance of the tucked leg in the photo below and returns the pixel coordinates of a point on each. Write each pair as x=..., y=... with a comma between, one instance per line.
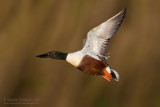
x=106, y=77
x=108, y=74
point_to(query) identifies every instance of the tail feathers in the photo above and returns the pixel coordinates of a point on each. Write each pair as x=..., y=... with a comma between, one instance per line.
x=115, y=75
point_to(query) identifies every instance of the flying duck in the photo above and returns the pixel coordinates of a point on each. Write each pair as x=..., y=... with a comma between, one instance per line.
x=92, y=59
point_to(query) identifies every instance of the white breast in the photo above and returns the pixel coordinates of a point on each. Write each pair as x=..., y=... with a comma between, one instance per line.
x=75, y=58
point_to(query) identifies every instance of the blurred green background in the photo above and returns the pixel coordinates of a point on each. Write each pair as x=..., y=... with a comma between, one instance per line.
x=32, y=27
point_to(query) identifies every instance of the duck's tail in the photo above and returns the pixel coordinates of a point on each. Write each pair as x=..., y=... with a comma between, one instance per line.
x=115, y=75
x=110, y=74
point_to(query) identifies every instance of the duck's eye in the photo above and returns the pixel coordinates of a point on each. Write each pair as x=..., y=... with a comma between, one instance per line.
x=53, y=52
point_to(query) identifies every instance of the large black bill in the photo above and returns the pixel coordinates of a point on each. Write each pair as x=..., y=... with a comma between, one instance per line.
x=43, y=56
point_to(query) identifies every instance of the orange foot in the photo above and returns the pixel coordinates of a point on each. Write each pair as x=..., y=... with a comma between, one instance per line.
x=107, y=76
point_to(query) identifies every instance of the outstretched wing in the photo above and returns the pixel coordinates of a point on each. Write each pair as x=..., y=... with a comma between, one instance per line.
x=98, y=37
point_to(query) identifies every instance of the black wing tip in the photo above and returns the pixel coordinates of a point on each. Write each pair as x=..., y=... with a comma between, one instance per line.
x=125, y=9
x=123, y=12
x=122, y=15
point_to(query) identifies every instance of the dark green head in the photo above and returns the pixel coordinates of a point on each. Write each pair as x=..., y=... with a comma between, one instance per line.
x=53, y=55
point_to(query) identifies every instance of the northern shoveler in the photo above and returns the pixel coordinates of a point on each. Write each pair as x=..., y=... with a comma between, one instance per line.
x=92, y=59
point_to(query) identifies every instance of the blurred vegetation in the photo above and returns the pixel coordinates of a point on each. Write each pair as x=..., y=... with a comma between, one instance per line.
x=32, y=27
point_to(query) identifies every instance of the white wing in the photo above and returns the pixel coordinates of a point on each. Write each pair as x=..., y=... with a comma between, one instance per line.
x=98, y=37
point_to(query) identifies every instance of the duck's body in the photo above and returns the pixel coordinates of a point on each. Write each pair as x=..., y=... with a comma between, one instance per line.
x=92, y=59
x=91, y=64
x=86, y=63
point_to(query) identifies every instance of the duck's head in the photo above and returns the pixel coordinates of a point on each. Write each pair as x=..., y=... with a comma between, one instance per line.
x=53, y=55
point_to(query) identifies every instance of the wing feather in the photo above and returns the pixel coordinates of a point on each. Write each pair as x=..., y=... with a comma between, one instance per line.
x=98, y=37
